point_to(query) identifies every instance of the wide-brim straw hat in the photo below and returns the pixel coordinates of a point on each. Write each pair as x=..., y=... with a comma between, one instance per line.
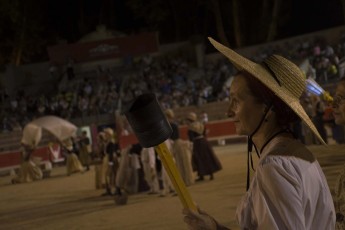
x=197, y=127
x=192, y=116
x=169, y=113
x=280, y=75
x=109, y=134
x=68, y=144
x=109, y=131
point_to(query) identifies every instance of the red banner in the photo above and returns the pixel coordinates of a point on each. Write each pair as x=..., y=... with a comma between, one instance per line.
x=118, y=47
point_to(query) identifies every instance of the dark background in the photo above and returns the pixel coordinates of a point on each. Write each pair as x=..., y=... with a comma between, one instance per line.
x=28, y=27
x=62, y=17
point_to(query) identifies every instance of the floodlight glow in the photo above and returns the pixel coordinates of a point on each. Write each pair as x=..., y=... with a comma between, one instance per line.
x=314, y=88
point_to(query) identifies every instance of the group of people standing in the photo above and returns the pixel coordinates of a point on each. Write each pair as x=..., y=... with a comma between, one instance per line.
x=108, y=152
x=192, y=156
x=118, y=170
x=77, y=153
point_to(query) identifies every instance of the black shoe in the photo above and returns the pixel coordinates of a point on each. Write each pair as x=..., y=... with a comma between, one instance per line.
x=118, y=192
x=106, y=194
x=152, y=193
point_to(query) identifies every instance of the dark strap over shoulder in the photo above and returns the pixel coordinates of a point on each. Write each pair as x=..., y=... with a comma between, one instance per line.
x=292, y=148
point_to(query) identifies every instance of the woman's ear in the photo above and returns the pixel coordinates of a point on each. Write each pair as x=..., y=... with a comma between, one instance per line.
x=268, y=107
x=271, y=114
x=268, y=112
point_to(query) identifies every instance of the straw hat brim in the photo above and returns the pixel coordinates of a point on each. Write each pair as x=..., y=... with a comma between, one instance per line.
x=169, y=114
x=108, y=131
x=264, y=76
x=197, y=127
x=192, y=116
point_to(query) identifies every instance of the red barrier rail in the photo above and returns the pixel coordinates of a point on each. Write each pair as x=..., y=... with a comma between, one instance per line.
x=215, y=129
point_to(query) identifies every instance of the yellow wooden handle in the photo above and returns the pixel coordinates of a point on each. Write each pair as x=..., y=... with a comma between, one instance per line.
x=175, y=177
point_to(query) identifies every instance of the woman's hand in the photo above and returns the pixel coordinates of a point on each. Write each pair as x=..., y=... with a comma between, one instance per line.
x=199, y=220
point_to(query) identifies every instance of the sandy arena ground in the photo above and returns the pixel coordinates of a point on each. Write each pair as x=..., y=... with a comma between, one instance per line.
x=68, y=203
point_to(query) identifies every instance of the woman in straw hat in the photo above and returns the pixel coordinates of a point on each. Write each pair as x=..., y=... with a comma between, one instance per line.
x=204, y=160
x=73, y=164
x=180, y=150
x=85, y=150
x=110, y=161
x=288, y=189
x=339, y=118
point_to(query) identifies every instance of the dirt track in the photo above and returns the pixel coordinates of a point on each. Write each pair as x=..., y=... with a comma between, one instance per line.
x=62, y=202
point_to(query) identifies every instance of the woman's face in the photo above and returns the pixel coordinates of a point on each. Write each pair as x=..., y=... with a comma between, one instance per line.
x=244, y=107
x=339, y=104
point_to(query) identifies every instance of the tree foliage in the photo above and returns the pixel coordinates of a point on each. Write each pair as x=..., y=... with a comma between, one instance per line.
x=233, y=22
x=21, y=30
x=24, y=23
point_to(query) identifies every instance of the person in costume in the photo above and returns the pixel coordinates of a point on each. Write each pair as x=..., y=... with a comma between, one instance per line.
x=100, y=173
x=339, y=103
x=204, y=160
x=127, y=173
x=29, y=171
x=130, y=168
x=85, y=150
x=110, y=161
x=288, y=189
x=148, y=159
x=181, y=150
x=73, y=164
x=339, y=191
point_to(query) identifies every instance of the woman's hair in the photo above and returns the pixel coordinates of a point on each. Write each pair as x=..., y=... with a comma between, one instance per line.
x=285, y=115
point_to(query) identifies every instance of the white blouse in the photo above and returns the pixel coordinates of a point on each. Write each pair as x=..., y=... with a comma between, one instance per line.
x=288, y=191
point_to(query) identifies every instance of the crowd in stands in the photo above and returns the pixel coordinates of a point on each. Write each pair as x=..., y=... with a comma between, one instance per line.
x=172, y=79
x=175, y=81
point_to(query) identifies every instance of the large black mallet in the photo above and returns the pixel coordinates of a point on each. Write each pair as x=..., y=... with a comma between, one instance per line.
x=152, y=128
